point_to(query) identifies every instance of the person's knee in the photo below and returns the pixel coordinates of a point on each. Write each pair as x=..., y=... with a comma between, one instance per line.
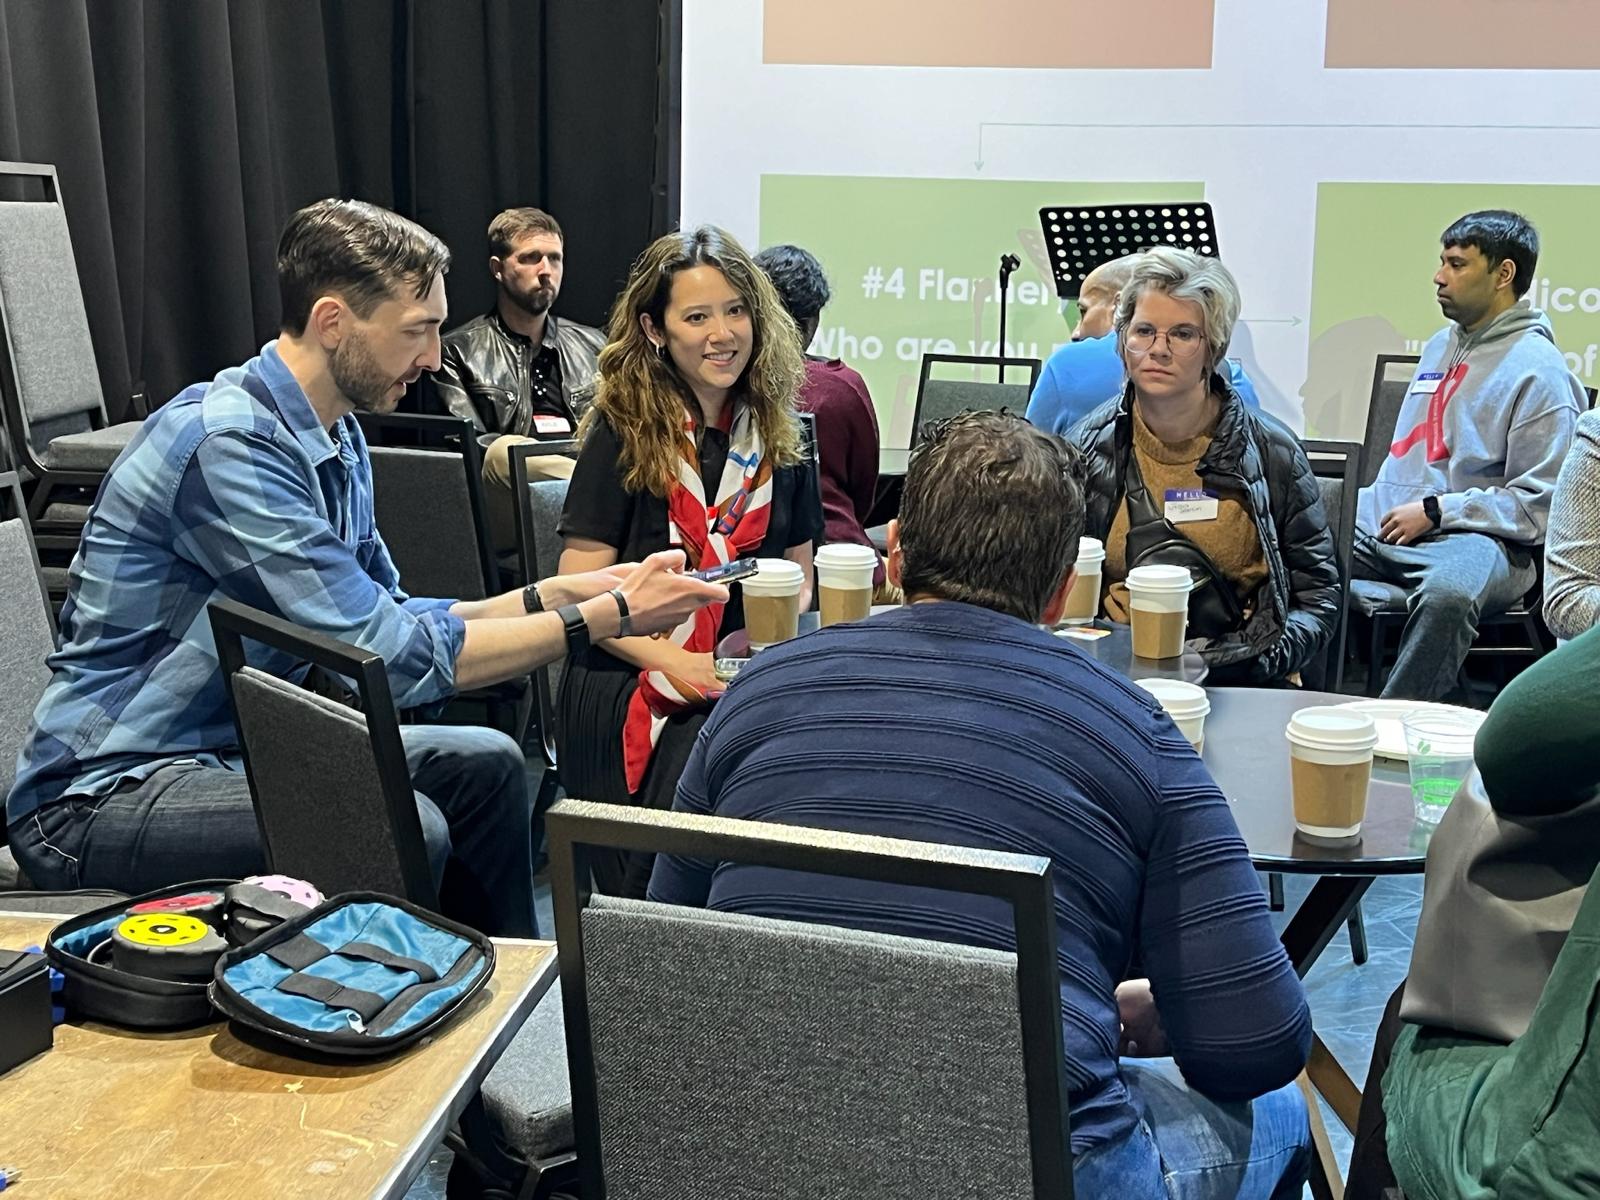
x=497, y=459
x=1446, y=597
x=435, y=836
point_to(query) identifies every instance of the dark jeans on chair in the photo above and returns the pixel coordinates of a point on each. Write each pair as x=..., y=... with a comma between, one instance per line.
x=188, y=821
x=1451, y=581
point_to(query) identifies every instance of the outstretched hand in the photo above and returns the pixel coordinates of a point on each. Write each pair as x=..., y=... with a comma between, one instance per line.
x=660, y=596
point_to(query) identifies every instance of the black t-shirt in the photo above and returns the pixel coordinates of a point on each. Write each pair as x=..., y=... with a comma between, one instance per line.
x=635, y=524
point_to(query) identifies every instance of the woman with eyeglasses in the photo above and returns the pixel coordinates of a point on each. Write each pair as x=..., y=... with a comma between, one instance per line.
x=1180, y=471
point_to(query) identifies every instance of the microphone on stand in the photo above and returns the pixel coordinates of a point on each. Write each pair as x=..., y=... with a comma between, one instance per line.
x=1008, y=264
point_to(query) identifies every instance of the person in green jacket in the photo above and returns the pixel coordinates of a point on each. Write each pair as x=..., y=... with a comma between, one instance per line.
x=1469, y=1118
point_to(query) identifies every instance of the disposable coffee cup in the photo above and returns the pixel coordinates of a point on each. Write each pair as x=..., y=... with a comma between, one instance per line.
x=1158, y=603
x=772, y=602
x=1083, y=601
x=844, y=581
x=1186, y=703
x=1330, y=762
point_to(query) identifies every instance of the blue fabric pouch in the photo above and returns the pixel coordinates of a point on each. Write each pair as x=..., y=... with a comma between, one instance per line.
x=362, y=975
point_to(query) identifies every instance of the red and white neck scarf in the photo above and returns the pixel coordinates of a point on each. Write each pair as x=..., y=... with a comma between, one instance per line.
x=731, y=525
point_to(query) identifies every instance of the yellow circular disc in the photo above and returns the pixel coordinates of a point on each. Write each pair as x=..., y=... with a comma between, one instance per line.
x=163, y=929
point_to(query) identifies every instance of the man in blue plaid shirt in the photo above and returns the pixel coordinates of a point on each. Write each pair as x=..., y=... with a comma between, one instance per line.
x=257, y=486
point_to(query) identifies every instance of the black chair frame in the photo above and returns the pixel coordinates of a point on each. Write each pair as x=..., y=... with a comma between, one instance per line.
x=576, y=828
x=232, y=622
x=48, y=483
x=1001, y=365
x=1341, y=461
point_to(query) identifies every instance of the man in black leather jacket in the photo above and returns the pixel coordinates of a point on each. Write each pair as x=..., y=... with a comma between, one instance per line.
x=1295, y=610
x=517, y=370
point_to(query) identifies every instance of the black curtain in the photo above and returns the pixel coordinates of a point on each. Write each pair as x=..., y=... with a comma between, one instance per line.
x=186, y=131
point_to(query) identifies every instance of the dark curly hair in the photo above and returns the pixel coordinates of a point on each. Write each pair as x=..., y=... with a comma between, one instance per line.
x=798, y=276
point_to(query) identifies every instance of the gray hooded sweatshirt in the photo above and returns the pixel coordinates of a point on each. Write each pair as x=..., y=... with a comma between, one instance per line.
x=1505, y=429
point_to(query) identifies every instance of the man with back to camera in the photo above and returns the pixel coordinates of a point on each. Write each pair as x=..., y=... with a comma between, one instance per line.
x=518, y=370
x=1086, y=372
x=956, y=719
x=1458, y=510
x=257, y=487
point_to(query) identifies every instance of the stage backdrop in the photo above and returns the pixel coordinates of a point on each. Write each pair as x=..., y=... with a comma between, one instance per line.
x=908, y=143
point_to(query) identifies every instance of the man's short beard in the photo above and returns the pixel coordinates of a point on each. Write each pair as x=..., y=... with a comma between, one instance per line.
x=532, y=302
x=357, y=375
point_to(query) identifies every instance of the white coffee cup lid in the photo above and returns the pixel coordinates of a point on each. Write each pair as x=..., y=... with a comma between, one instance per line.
x=1326, y=727
x=1091, y=550
x=774, y=577
x=1177, y=697
x=846, y=554
x=1161, y=577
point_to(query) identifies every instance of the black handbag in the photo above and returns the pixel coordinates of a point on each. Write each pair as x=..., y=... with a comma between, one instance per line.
x=1214, y=609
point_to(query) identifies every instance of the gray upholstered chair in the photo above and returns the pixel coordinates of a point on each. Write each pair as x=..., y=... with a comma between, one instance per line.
x=55, y=412
x=726, y=1055
x=27, y=642
x=1337, y=466
x=331, y=788
x=980, y=387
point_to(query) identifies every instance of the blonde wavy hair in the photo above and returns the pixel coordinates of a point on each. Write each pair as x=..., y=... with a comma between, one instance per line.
x=642, y=396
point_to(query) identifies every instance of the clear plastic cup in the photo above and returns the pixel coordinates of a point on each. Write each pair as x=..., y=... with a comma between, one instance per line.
x=1439, y=752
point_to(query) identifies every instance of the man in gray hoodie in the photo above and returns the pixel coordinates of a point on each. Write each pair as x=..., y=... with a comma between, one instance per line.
x=1458, y=509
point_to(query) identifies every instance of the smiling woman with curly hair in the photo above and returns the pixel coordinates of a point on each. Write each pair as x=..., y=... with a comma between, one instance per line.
x=694, y=441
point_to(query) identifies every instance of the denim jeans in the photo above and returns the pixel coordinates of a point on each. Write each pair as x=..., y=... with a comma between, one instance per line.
x=1187, y=1147
x=188, y=821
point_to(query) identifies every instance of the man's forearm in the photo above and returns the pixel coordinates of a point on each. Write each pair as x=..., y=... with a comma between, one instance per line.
x=499, y=648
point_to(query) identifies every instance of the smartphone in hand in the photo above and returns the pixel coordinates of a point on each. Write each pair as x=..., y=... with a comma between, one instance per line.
x=739, y=568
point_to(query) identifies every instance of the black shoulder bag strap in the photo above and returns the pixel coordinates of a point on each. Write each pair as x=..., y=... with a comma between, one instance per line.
x=1214, y=609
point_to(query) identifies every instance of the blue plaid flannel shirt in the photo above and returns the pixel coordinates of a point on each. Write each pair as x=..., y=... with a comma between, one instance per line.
x=232, y=489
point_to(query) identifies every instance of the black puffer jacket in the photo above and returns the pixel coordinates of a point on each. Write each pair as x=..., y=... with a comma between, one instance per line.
x=1254, y=454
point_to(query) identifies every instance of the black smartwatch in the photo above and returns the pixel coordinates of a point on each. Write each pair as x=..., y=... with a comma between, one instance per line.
x=577, y=629
x=1430, y=508
x=530, y=599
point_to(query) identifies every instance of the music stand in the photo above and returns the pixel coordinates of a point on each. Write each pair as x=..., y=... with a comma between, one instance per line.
x=1081, y=237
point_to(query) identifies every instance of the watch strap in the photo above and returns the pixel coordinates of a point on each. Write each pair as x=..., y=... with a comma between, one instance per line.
x=1430, y=506
x=577, y=629
x=625, y=619
x=531, y=601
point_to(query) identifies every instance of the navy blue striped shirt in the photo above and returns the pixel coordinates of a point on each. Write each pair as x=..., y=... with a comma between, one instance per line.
x=949, y=723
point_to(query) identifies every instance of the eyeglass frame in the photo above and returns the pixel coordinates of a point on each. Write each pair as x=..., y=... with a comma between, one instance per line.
x=1166, y=335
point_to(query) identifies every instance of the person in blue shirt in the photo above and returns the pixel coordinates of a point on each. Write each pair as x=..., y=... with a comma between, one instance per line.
x=1087, y=371
x=257, y=487
x=957, y=719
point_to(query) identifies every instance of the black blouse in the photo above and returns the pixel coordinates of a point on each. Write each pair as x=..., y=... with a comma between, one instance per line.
x=635, y=523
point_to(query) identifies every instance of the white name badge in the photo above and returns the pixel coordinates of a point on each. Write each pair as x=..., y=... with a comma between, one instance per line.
x=546, y=424
x=1427, y=383
x=1190, y=505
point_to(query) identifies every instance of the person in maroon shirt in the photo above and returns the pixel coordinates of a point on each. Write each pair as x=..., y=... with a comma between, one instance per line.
x=847, y=424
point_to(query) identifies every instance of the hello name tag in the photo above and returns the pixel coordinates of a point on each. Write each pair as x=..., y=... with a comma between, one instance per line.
x=1427, y=383
x=546, y=424
x=1184, y=504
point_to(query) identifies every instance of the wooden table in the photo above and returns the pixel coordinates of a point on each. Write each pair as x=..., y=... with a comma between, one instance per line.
x=1248, y=756
x=198, y=1113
